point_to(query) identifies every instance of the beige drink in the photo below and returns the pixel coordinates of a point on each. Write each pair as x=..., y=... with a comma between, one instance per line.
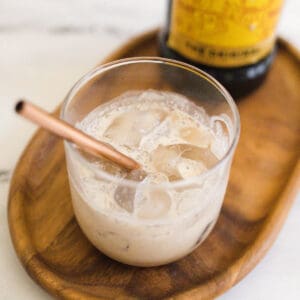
x=160, y=215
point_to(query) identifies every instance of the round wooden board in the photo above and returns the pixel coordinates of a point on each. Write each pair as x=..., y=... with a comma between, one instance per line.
x=262, y=186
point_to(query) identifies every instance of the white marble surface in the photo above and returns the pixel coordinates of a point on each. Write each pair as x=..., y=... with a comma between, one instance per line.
x=45, y=47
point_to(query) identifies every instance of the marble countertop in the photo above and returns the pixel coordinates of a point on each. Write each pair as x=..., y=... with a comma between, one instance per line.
x=45, y=47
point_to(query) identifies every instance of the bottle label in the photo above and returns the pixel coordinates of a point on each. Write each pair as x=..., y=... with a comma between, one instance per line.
x=223, y=33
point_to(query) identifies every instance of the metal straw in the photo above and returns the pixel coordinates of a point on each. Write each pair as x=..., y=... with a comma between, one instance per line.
x=74, y=135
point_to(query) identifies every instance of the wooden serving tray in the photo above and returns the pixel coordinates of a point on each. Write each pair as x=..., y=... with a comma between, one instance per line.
x=263, y=182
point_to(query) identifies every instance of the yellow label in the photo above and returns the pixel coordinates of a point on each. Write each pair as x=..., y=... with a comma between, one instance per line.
x=223, y=33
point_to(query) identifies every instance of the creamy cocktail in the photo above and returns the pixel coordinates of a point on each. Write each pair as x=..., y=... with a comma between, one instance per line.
x=151, y=222
x=163, y=211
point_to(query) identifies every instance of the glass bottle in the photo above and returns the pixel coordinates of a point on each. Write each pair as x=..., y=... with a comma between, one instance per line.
x=233, y=40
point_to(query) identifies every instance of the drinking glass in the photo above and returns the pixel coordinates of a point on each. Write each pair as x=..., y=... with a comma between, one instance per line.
x=124, y=236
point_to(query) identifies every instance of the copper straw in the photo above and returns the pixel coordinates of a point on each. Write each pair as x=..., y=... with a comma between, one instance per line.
x=70, y=133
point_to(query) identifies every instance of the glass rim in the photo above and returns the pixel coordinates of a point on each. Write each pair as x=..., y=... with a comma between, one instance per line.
x=158, y=60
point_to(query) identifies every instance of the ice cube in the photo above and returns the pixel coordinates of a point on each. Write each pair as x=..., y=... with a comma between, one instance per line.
x=128, y=128
x=182, y=160
x=189, y=168
x=142, y=188
x=199, y=154
x=124, y=197
x=157, y=135
x=120, y=129
x=165, y=159
x=200, y=137
x=152, y=202
x=149, y=119
x=157, y=203
x=223, y=130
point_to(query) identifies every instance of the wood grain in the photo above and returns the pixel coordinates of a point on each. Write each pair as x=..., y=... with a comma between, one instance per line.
x=263, y=182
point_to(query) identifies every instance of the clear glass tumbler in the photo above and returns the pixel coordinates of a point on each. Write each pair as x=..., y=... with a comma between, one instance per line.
x=124, y=236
